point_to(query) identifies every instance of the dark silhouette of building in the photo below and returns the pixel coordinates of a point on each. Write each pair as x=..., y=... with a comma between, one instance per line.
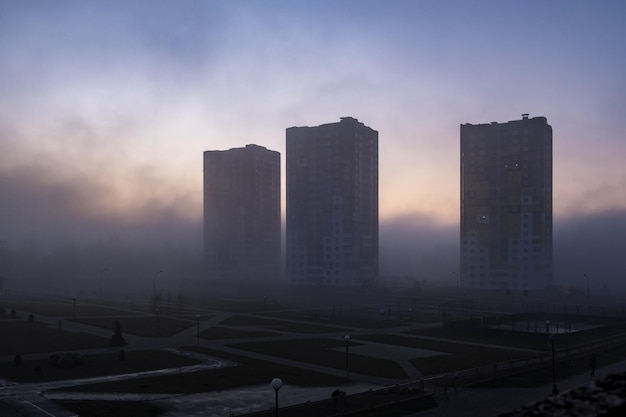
x=332, y=203
x=506, y=205
x=242, y=238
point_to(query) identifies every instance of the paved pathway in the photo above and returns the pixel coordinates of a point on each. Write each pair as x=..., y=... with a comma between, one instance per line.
x=490, y=402
x=27, y=399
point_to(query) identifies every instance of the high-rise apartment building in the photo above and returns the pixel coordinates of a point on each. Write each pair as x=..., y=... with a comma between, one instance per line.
x=506, y=205
x=242, y=237
x=332, y=203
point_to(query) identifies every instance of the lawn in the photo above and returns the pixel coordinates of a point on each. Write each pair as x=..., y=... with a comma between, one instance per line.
x=488, y=332
x=563, y=368
x=323, y=352
x=312, y=317
x=65, y=308
x=220, y=332
x=111, y=408
x=486, y=335
x=146, y=326
x=459, y=355
x=95, y=365
x=279, y=325
x=23, y=337
x=248, y=372
x=235, y=305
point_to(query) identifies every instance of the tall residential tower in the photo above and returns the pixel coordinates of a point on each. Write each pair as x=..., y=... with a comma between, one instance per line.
x=506, y=205
x=242, y=213
x=332, y=204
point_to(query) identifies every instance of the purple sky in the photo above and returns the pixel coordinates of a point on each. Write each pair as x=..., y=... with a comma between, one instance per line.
x=106, y=107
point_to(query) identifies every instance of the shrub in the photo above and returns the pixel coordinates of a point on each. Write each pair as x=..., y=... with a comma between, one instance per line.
x=117, y=339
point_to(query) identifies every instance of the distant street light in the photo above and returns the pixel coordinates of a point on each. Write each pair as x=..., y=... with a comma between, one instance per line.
x=154, y=282
x=554, y=388
x=276, y=383
x=457, y=283
x=102, y=272
x=588, y=295
x=198, y=329
x=547, y=326
x=347, y=339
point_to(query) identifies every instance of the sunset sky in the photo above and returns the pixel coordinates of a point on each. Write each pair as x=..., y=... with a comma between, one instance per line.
x=107, y=106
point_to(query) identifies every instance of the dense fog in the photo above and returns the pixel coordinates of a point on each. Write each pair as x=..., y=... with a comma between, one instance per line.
x=49, y=243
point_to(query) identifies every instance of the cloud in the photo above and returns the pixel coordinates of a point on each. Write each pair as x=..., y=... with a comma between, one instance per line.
x=41, y=199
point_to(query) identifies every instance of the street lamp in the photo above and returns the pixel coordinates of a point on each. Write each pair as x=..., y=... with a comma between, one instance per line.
x=547, y=326
x=555, y=390
x=457, y=283
x=102, y=272
x=154, y=282
x=276, y=383
x=347, y=339
x=198, y=329
x=588, y=294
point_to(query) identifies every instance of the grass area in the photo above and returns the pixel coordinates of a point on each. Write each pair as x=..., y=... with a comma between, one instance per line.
x=95, y=365
x=485, y=335
x=23, y=337
x=65, y=308
x=312, y=317
x=111, y=408
x=564, y=369
x=236, y=305
x=485, y=330
x=368, y=404
x=458, y=355
x=220, y=332
x=147, y=326
x=279, y=325
x=248, y=372
x=322, y=352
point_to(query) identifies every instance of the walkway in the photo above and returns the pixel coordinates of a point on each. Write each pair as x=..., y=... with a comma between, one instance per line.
x=463, y=403
x=490, y=402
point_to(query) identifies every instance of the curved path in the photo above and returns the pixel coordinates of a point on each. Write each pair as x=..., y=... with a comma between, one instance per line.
x=32, y=399
x=27, y=399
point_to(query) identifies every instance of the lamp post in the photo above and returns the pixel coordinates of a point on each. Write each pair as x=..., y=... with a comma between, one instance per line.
x=547, y=326
x=154, y=282
x=197, y=329
x=457, y=283
x=276, y=383
x=554, y=388
x=102, y=272
x=588, y=295
x=347, y=339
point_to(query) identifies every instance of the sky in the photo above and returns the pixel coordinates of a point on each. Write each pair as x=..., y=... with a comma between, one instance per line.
x=107, y=106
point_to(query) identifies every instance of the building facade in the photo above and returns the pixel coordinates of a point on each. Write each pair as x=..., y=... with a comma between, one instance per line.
x=332, y=204
x=242, y=224
x=506, y=205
